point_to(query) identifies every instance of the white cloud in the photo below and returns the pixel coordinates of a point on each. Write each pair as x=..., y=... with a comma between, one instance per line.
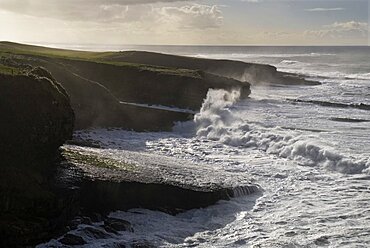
x=121, y=11
x=192, y=16
x=341, y=30
x=75, y=10
x=348, y=25
x=324, y=9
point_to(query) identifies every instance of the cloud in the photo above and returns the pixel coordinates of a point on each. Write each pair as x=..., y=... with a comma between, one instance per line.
x=189, y=16
x=324, y=9
x=341, y=30
x=348, y=25
x=193, y=16
x=75, y=10
x=251, y=1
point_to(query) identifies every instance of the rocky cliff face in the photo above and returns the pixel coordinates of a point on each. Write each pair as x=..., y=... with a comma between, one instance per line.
x=238, y=70
x=36, y=118
x=96, y=90
x=180, y=88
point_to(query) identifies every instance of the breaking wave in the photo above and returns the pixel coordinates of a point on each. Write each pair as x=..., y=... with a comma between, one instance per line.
x=252, y=55
x=314, y=70
x=219, y=121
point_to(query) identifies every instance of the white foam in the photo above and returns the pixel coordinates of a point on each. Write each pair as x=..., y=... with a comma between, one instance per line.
x=216, y=121
x=315, y=70
x=160, y=107
x=252, y=55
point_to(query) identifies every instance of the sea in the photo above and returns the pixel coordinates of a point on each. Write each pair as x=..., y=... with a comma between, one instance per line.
x=307, y=147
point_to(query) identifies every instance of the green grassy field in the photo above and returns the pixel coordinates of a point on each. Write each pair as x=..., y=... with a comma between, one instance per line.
x=16, y=48
x=8, y=49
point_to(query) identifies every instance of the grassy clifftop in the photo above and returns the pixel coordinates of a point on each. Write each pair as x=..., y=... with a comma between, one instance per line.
x=17, y=48
x=97, y=85
x=242, y=71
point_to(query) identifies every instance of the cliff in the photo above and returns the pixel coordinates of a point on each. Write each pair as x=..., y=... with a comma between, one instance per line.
x=47, y=93
x=238, y=70
x=36, y=118
x=97, y=87
x=147, y=181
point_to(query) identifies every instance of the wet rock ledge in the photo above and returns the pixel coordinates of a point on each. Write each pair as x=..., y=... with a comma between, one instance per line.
x=142, y=180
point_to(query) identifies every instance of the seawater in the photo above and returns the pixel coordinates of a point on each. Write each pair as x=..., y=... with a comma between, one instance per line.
x=312, y=160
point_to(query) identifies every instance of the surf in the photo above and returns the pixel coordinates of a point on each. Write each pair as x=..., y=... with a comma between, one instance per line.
x=218, y=121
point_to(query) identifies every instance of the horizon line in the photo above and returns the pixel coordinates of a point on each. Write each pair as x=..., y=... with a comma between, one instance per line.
x=186, y=45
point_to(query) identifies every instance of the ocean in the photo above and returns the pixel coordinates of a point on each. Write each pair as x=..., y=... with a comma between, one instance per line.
x=308, y=147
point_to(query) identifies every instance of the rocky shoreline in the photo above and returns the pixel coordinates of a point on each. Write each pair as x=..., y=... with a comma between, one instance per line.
x=144, y=180
x=46, y=94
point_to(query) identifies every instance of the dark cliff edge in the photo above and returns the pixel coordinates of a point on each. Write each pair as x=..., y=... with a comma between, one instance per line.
x=36, y=118
x=238, y=70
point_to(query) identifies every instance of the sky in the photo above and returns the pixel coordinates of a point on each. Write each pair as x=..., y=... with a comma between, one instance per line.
x=200, y=22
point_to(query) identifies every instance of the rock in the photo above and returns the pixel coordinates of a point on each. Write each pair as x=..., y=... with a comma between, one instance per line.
x=78, y=221
x=36, y=118
x=109, y=229
x=181, y=88
x=118, y=245
x=142, y=244
x=96, y=217
x=97, y=88
x=149, y=181
x=322, y=241
x=95, y=105
x=71, y=239
x=242, y=71
x=118, y=225
x=95, y=233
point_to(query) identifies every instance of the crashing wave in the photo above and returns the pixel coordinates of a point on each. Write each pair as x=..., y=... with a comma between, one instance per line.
x=217, y=121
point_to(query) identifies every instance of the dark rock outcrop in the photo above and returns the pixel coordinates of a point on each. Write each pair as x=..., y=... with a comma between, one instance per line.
x=36, y=118
x=117, y=225
x=94, y=104
x=72, y=240
x=242, y=71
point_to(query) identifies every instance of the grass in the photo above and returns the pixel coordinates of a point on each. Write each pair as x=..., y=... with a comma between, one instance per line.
x=17, y=48
x=8, y=49
x=97, y=160
x=9, y=70
x=157, y=69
